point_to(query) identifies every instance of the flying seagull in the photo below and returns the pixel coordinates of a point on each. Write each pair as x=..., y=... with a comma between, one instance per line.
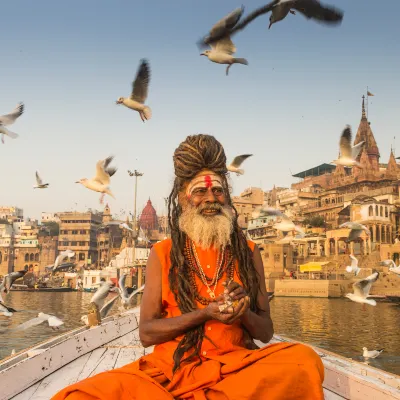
x=140, y=88
x=356, y=229
x=40, y=184
x=223, y=49
x=9, y=119
x=354, y=268
x=237, y=162
x=126, y=298
x=311, y=9
x=6, y=311
x=103, y=311
x=348, y=153
x=101, y=293
x=371, y=353
x=61, y=257
x=124, y=225
x=361, y=290
x=52, y=320
x=8, y=281
x=100, y=183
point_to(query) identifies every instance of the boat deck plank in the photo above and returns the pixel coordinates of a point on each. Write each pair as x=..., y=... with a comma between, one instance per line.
x=117, y=344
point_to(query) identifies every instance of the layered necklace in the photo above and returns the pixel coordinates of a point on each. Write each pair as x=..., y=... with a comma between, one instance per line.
x=224, y=264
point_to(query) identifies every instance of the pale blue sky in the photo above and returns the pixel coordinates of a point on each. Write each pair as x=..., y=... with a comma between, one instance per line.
x=70, y=61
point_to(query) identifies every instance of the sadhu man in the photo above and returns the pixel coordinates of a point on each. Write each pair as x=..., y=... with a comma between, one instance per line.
x=205, y=300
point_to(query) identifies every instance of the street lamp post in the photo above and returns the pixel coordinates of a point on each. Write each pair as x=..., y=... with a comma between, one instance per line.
x=135, y=173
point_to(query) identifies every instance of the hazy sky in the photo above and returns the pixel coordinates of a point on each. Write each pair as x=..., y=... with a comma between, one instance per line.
x=70, y=61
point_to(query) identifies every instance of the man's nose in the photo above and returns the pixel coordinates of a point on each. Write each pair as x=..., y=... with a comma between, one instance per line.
x=210, y=196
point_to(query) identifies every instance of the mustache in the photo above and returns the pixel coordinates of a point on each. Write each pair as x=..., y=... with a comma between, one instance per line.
x=210, y=207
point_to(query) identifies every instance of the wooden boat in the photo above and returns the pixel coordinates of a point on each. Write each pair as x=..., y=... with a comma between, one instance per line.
x=41, y=371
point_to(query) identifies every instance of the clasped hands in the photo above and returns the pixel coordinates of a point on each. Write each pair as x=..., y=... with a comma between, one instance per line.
x=218, y=310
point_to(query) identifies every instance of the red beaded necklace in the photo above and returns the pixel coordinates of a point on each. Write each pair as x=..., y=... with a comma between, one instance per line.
x=224, y=264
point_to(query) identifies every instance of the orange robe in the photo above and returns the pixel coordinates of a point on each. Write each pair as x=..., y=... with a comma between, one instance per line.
x=283, y=371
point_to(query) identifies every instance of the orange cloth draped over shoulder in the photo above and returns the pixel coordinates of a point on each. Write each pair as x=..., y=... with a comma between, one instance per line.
x=283, y=371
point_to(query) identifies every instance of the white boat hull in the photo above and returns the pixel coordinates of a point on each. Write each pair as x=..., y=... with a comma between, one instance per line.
x=40, y=372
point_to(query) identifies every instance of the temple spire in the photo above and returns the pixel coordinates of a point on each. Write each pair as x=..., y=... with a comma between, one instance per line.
x=364, y=116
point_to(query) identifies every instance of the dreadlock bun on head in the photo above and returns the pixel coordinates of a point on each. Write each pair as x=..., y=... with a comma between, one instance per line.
x=199, y=152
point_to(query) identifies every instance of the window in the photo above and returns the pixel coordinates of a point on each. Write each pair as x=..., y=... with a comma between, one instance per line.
x=74, y=232
x=74, y=243
x=386, y=212
x=31, y=257
x=81, y=256
x=370, y=211
x=93, y=279
x=65, y=243
x=82, y=243
x=26, y=257
x=37, y=257
x=381, y=212
x=277, y=257
x=82, y=232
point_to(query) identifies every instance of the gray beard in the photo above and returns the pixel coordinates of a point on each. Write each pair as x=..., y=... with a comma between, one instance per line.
x=207, y=231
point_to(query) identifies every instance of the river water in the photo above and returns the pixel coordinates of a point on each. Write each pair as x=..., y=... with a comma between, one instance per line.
x=338, y=325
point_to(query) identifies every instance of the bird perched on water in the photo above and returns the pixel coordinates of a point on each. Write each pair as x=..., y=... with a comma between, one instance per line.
x=39, y=182
x=356, y=229
x=354, y=268
x=100, y=183
x=8, y=281
x=140, y=88
x=234, y=166
x=311, y=9
x=371, y=353
x=362, y=288
x=348, y=153
x=9, y=119
x=223, y=49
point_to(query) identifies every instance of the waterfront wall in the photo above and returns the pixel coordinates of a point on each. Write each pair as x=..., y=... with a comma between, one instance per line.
x=310, y=288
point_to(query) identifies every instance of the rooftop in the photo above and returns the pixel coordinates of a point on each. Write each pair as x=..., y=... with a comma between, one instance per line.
x=316, y=171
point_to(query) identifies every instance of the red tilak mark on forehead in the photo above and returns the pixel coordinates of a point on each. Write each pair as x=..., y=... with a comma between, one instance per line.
x=207, y=180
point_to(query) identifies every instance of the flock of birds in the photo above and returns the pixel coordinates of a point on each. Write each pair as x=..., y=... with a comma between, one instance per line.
x=221, y=51
x=98, y=304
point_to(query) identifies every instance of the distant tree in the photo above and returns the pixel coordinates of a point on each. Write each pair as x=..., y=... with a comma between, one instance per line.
x=316, y=221
x=50, y=228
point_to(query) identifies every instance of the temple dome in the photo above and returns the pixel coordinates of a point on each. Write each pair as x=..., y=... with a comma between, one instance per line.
x=148, y=218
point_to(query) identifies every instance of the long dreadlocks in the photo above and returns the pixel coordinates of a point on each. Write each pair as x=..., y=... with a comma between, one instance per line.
x=196, y=153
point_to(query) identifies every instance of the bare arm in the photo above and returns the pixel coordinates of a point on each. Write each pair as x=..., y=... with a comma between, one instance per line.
x=153, y=329
x=259, y=325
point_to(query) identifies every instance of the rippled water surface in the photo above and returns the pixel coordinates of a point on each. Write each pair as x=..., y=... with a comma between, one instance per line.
x=338, y=325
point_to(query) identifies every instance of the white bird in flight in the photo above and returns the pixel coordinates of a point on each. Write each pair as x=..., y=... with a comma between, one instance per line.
x=234, y=166
x=371, y=353
x=356, y=229
x=40, y=184
x=354, y=268
x=126, y=298
x=348, y=153
x=395, y=269
x=103, y=311
x=8, y=281
x=61, y=257
x=9, y=119
x=361, y=290
x=101, y=182
x=52, y=320
x=223, y=49
x=311, y=9
x=140, y=88
x=124, y=225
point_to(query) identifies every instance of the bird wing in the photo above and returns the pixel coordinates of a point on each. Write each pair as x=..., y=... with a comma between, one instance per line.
x=362, y=287
x=121, y=283
x=53, y=321
x=355, y=150
x=314, y=9
x=107, y=307
x=345, y=143
x=227, y=23
x=354, y=261
x=10, y=118
x=354, y=234
x=103, y=173
x=134, y=293
x=141, y=83
x=32, y=322
x=224, y=45
x=238, y=160
x=38, y=179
